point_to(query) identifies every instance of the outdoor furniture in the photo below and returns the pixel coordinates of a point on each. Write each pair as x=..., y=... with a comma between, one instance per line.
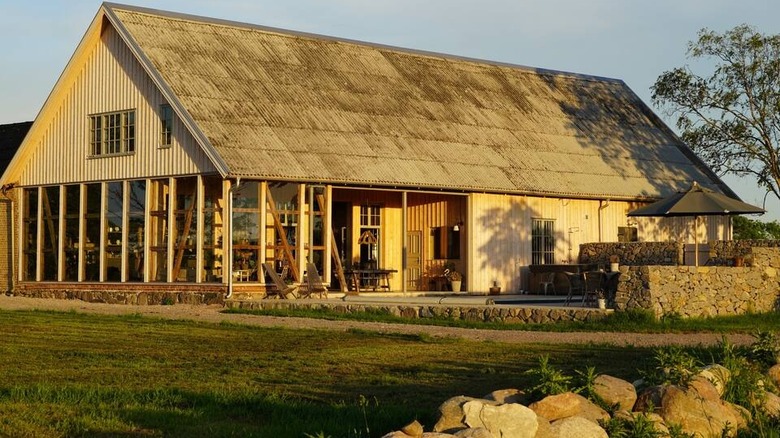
x=283, y=289
x=373, y=278
x=314, y=282
x=575, y=285
x=593, y=282
x=548, y=281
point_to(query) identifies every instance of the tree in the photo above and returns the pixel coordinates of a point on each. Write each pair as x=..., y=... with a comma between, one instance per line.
x=731, y=118
x=745, y=228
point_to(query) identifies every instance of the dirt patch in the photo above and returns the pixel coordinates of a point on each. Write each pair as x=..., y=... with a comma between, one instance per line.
x=212, y=314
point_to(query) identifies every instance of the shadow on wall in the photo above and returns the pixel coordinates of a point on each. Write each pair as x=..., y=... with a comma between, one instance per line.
x=507, y=252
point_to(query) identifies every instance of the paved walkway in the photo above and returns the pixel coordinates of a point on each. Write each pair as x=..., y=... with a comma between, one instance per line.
x=212, y=314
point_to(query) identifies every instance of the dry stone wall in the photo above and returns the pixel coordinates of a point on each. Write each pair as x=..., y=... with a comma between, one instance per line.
x=691, y=291
x=632, y=253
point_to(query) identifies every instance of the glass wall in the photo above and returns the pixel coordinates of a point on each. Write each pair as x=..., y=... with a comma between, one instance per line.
x=29, y=233
x=185, y=230
x=112, y=265
x=51, y=232
x=283, y=203
x=246, y=232
x=213, y=207
x=160, y=194
x=136, y=225
x=72, y=235
x=91, y=247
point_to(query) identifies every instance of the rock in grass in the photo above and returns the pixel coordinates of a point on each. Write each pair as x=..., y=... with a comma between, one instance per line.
x=718, y=375
x=451, y=415
x=699, y=416
x=615, y=391
x=507, y=421
x=414, y=429
x=474, y=432
x=577, y=427
x=568, y=404
x=504, y=396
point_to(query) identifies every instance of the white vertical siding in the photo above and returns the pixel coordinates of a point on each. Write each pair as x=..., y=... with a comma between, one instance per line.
x=108, y=79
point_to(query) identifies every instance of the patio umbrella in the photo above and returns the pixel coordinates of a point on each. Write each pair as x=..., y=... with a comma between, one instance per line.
x=697, y=201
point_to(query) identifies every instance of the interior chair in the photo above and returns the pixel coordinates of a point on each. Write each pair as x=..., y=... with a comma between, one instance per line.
x=314, y=282
x=575, y=285
x=593, y=285
x=283, y=289
x=548, y=280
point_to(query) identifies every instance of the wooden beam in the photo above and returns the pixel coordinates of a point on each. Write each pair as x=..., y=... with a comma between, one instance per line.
x=182, y=242
x=334, y=251
x=282, y=235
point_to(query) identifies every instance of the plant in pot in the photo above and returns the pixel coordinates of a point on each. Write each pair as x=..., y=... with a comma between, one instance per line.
x=614, y=263
x=495, y=289
x=455, y=278
x=601, y=299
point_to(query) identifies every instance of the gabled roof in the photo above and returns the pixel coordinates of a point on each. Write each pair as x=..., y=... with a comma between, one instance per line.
x=279, y=105
x=11, y=137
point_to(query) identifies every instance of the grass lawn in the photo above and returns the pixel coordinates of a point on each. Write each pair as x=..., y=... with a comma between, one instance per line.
x=639, y=321
x=70, y=374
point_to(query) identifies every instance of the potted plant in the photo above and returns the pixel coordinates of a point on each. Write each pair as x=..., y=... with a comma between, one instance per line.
x=614, y=263
x=495, y=289
x=453, y=276
x=601, y=299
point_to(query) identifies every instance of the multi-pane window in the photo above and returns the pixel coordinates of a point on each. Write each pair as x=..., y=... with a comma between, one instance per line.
x=112, y=133
x=369, y=236
x=50, y=215
x=112, y=265
x=543, y=242
x=166, y=124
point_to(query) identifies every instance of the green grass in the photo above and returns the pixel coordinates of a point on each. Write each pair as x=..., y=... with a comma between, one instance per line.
x=70, y=374
x=631, y=321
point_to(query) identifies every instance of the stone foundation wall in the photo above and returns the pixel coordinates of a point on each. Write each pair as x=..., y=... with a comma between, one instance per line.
x=142, y=294
x=632, y=253
x=691, y=291
x=508, y=315
x=728, y=249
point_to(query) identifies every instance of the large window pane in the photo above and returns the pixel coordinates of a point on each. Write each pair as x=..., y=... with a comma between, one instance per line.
x=51, y=232
x=160, y=197
x=287, y=208
x=112, y=265
x=72, y=236
x=92, y=232
x=136, y=209
x=30, y=233
x=213, y=207
x=185, y=230
x=246, y=232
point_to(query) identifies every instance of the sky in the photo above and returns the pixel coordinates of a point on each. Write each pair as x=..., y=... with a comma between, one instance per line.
x=631, y=40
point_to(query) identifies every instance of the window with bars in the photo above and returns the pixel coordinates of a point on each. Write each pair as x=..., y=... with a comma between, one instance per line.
x=543, y=242
x=112, y=133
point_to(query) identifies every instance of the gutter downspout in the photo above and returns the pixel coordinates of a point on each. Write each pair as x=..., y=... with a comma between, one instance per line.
x=230, y=238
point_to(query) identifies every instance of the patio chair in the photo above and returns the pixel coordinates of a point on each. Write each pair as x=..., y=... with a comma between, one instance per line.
x=314, y=282
x=593, y=282
x=548, y=280
x=283, y=289
x=575, y=285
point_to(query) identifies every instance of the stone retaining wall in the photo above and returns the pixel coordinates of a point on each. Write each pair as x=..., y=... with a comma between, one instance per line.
x=142, y=294
x=632, y=253
x=728, y=249
x=691, y=291
x=509, y=315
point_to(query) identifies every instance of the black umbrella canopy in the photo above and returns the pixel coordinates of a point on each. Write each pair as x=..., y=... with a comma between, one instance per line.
x=697, y=201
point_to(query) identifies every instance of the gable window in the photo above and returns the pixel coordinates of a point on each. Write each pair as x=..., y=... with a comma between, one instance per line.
x=543, y=242
x=112, y=133
x=166, y=125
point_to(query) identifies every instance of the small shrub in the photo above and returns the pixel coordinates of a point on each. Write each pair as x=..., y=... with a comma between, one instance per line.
x=586, y=386
x=764, y=350
x=673, y=366
x=547, y=379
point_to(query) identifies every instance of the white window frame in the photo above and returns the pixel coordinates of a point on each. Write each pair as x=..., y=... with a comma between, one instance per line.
x=112, y=133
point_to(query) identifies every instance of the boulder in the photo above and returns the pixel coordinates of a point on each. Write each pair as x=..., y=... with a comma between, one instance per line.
x=699, y=416
x=543, y=430
x=774, y=374
x=704, y=388
x=718, y=375
x=475, y=432
x=451, y=414
x=436, y=435
x=656, y=420
x=414, y=429
x=770, y=404
x=396, y=434
x=577, y=427
x=649, y=399
x=507, y=421
x=504, y=396
x=568, y=404
x=615, y=391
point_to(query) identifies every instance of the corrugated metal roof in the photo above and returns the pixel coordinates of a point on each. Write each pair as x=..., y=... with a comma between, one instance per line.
x=278, y=105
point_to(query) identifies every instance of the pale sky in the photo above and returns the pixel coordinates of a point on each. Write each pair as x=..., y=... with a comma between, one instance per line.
x=632, y=40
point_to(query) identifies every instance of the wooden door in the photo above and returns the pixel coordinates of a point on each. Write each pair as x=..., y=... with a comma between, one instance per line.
x=414, y=260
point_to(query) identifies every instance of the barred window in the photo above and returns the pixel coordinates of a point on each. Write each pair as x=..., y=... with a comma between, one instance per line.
x=543, y=242
x=112, y=133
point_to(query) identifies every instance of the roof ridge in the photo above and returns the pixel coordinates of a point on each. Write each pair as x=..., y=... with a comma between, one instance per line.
x=302, y=34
